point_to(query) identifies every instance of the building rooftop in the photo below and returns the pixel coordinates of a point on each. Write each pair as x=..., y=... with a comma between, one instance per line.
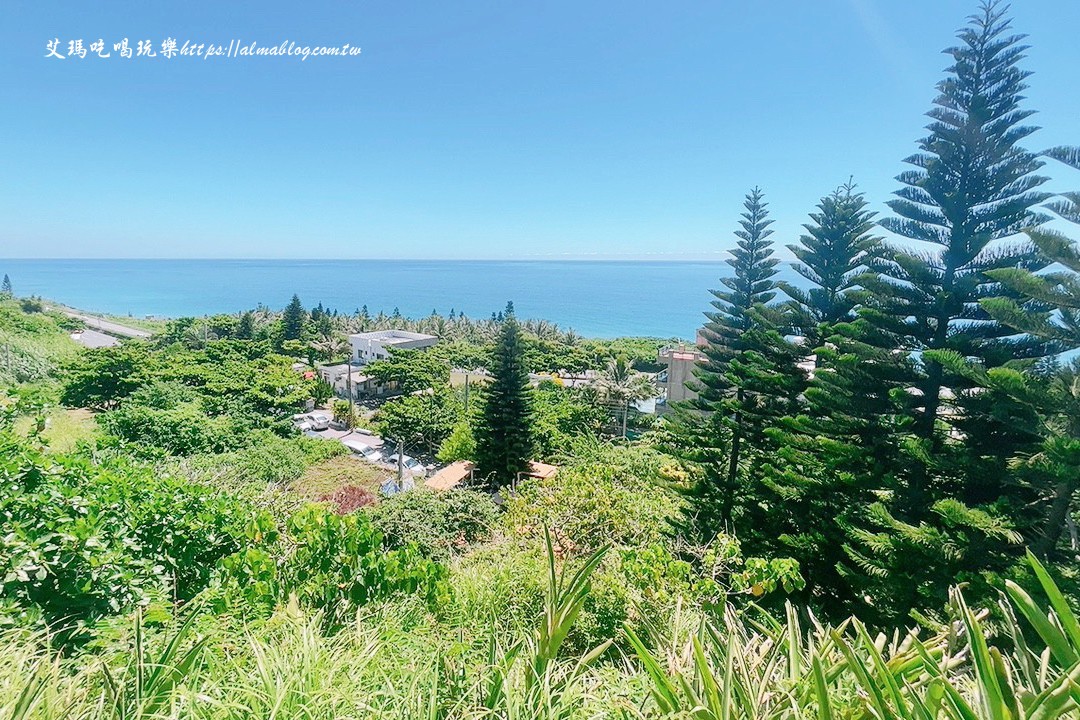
x=680, y=353
x=450, y=476
x=541, y=470
x=389, y=337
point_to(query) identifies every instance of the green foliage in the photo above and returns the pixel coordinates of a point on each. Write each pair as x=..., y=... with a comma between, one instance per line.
x=183, y=429
x=223, y=371
x=546, y=355
x=411, y=370
x=562, y=417
x=929, y=300
x=614, y=496
x=504, y=436
x=33, y=346
x=640, y=352
x=947, y=504
x=1049, y=304
x=743, y=667
x=460, y=444
x=422, y=421
x=293, y=320
x=345, y=412
x=438, y=523
x=101, y=377
x=619, y=385
x=335, y=564
x=750, y=378
x=832, y=255
x=85, y=540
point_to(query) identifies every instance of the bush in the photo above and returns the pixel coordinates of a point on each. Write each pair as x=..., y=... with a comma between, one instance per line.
x=439, y=524
x=612, y=498
x=33, y=345
x=83, y=541
x=335, y=564
x=563, y=415
x=460, y=445
x=502, y=586
x=184, y=429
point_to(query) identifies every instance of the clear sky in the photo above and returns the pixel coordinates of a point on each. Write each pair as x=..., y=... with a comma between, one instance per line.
x=474, y=128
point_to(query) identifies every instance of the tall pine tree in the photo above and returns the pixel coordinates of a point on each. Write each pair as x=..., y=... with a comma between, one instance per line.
x=830, y=459
x=972, y=187
x=832, y=256
x=1049, y=303
x=293, y=320
x=750, y=286
x=945, y=515
x=749, y=377
x=245, y=328
x=1051, y=311
x=504, y=437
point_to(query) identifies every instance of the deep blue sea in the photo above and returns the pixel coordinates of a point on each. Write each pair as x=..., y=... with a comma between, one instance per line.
x=594, y=298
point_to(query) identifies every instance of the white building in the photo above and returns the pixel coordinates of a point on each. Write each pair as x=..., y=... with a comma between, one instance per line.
x=371, y=346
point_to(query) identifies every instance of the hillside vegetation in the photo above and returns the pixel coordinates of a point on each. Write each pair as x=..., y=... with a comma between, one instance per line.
x=866, y=509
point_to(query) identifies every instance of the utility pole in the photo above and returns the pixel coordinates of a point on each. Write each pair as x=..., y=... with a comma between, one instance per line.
x=349, y=391
x=400, y=464
x=466, y=394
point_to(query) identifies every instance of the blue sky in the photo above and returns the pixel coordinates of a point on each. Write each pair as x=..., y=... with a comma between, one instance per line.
x=473, y=129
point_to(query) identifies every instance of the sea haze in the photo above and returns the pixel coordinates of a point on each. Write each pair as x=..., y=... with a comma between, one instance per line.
x=594, y=298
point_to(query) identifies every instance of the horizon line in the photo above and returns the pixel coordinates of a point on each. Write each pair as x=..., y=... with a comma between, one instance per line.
x=718, y=257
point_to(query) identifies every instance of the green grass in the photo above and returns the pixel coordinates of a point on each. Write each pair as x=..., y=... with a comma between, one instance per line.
x=64, y=428
x=397, y=661
x=326, y=476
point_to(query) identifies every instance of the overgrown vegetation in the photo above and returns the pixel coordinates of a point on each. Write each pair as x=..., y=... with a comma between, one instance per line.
x=866, y=512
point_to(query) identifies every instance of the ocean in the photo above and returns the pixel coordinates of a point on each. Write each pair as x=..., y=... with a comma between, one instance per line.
x=601, y=299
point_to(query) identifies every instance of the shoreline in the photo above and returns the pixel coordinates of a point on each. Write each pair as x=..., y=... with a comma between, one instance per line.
x=603, y=300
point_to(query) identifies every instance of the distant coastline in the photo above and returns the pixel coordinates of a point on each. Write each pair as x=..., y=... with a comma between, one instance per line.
x=595, y=298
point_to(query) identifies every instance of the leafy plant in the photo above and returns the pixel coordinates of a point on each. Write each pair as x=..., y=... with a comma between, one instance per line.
x=439, y=524
x=334, y=563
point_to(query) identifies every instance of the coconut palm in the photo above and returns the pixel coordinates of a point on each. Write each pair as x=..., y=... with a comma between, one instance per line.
x=331, y=346
x=619, y=385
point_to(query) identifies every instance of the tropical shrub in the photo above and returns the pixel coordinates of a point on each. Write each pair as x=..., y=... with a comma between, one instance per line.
x=744, y=667
x=438, y=523
x=562, y=417
x=85, y=540
x=183, y=429
x=611, y=495
x=329, y=562
x=459, y=445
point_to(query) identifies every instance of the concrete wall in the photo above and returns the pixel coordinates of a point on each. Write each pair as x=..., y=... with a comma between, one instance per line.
x=679, y=368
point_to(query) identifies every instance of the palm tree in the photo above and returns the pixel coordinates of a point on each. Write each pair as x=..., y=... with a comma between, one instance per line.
x=619, y=384
x=331, y=346
x=198, y=335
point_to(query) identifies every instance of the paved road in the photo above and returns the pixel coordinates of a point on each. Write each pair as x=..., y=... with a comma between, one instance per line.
x=108, y=326
x=94, y=339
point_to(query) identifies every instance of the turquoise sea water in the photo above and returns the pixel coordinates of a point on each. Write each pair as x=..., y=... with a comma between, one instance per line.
x=594, y=298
